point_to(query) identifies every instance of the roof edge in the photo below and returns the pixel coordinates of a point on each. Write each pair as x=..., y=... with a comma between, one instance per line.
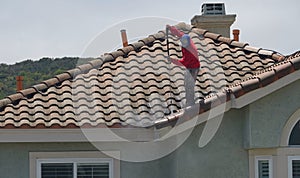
x=289, y=65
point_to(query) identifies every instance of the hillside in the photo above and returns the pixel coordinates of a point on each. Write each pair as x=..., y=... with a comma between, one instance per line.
x=33, y=72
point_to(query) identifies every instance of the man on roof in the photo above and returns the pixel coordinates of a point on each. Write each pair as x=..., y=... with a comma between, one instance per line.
x=190, y=61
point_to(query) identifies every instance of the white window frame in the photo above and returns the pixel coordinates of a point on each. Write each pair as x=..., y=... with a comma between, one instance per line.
x=75, y=161
x=37, y=158
x=264, y=158
x=290, y=166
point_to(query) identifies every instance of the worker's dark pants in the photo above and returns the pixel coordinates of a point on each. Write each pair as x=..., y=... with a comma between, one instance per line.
x=190, y=77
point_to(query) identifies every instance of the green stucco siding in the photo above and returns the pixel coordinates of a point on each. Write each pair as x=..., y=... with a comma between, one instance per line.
x=268, y=115
x=224, y=156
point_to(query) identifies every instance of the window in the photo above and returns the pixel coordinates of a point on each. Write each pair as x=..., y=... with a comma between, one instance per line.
x=82, y=164
x=294, y=166
x=263, y=167
x=295, y=135
x=74, y=168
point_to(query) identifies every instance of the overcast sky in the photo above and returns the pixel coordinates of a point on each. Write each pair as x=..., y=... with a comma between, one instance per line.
x=32, y=29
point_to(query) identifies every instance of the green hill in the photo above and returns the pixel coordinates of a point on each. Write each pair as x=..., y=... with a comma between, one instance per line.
x=34, y=72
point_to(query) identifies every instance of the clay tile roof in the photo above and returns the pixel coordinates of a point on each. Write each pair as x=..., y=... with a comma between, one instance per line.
x=137, y=86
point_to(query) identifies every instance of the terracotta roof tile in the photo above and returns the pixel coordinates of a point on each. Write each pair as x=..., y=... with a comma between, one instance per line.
x=239, y=44
x=50, y=82
x=283, y=69
x=296, y=63
x=266, y=78
x=27, y=92
x=250, y=84
x=137, y=86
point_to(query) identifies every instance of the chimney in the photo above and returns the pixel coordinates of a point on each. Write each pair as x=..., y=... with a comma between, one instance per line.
x=124, y=38
x=19, y=83
x=214, y=19
x=236, y=33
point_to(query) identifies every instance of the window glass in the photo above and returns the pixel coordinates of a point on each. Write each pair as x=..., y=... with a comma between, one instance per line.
x=93, y=170
x=74, y=169
x=295, y=135
x=57, y=170
x=263, y=169
x=296, y=168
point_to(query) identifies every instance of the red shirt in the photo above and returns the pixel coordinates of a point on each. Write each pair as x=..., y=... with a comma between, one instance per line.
x=190, y=54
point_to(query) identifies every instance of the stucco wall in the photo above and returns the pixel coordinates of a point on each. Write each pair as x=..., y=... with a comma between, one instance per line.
x=268, y=115
x=224, y=155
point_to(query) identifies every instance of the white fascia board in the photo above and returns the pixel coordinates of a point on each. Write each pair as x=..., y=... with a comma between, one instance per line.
x=75, y=135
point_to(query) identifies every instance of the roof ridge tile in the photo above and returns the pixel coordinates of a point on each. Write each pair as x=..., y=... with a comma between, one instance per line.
x=159, y=36
x=225, y=39
x=277, y=57
x=250, y=84
x=85, y=67
x=137, y=45
x=265, y=78
x=97, y=62
x=211, y=35
x=39, y=87
x=265, y=52
x=63, y=76
x=27, y=91
x=184, y=26
x=15, y=97
x=296, y=62
x=116, y=54
x=199, y=30
x=239, y=44
x=74, y=72
x=283, y=69
x=148, y=40
x=4, y=102
x=252, y=49
x=50, y=82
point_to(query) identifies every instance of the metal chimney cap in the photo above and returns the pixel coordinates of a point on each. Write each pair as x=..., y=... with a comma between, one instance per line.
x=213, y=9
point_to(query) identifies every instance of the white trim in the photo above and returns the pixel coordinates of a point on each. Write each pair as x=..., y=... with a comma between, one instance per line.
x=281, y=160
x=75, y=162
x=74, y=135
x=36, y=158
x=288, y=127
x=290, y=166
x=264, y=158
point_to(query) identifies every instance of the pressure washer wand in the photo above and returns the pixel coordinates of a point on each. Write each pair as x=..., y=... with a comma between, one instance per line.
x=167, y=36
x=168, y=51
